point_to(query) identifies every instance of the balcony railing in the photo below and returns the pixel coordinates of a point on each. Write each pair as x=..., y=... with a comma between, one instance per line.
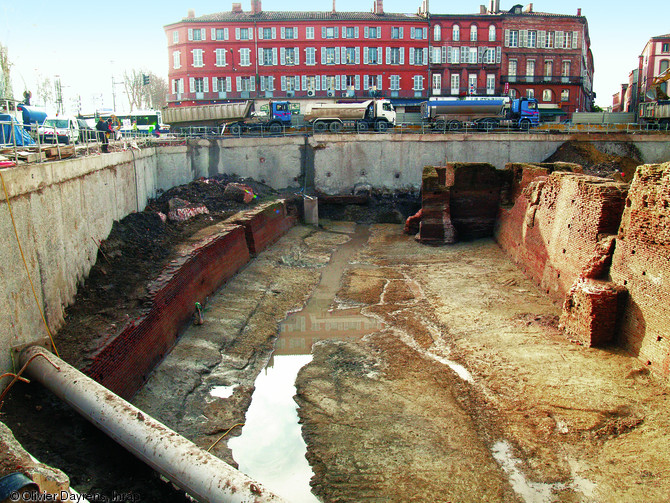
x=541, y=79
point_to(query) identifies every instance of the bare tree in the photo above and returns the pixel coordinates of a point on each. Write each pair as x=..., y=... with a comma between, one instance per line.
x=132, y=82
x=45, y=90
x=144, y=89
x=157, y=91
x=5, y=80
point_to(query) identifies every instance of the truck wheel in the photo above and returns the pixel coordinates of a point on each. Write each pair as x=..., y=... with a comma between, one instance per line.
x=440, y=126
x=335, y=127
x=524, y=124
x=320, y=127
x=275, y=128
x=487, y=125
x=362, y=126
x=236, y=130
x=454, y=125
x=381, y=126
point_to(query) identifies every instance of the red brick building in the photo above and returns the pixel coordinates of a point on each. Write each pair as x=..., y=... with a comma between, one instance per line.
x=654, y=60
x=405, y=57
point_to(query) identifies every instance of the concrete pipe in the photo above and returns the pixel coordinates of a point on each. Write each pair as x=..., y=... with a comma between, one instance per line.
x=201, y=474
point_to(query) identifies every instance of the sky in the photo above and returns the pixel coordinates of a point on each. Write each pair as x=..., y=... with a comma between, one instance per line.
x=90, y=44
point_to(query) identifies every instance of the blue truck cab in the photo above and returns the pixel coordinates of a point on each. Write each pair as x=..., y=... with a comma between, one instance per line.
x=525, y=112
x=281, y=111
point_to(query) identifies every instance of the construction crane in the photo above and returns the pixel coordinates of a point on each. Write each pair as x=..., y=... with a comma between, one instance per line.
x=656, y=92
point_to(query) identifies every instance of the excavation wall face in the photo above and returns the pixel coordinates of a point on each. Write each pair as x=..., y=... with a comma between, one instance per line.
x=641, y=264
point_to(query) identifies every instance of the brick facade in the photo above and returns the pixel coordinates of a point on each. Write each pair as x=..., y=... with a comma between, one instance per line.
x=258, y=55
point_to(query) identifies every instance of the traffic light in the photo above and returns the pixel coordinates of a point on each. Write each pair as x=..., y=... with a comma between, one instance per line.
x=145, y=80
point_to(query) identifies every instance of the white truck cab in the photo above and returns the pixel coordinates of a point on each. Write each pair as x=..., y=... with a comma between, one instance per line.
x=59, y=129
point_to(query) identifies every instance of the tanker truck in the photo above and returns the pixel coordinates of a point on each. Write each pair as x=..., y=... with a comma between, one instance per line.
x=237, y=117
x=483, y=113
x=377, y=114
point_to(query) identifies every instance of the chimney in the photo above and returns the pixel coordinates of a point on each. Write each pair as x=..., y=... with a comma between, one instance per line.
x=528, y=8
x=256, y=7
x=379, y=7
x=237, y=7
x=334, y=7
x=191, y=14
x=579, y=12
x=482, y=9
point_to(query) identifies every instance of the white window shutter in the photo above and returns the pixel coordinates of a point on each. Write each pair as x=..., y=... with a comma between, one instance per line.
x=215, y=85
x=379, y=32
x=251, y=35
x=238, y=83
x=337, y=82
x=425, y=56
x=206, y=84
x=365, y=83
x=506, y=38
x=263, y=84
x=401, y=32
x=283, y=82
x=356, y=32
x=380, y=55
x=425, y=33
x=366, y=32
x=498, y=54
x=213, y=33
x=357, y=84
x=295, y=32
x=260, y=57
x=260, y=33
x=237, y=35
x=337, y=31
x=274, y=33
x=365, y=55
x=323, y=55
x=274, y=56
x=337, y=55
x=282, y=33
x=296, y=52
x=191, y=84
x=297, y=83
x=304, y=81
x=225, y=35
x=323, y=32
x=411, y=55
x=229, y=84
x=402, y=55
x=379, y=82
x=190, y=33
x=252, y=80
x=358, y=55
x=318, y=83
x=575, y=39
x=444, y=54
x=388, y=55
x=203, y=34
x=449, y=57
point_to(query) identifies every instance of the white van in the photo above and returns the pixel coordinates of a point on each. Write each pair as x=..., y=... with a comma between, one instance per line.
x=61, y=129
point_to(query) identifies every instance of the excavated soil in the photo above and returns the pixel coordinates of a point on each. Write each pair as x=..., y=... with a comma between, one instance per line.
x=620, y=166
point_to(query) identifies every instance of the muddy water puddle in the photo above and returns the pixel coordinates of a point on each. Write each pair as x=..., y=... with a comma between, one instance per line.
x=271, y=448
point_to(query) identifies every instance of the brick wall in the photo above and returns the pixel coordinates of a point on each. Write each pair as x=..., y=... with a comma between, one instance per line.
x=203, y=265
x=559, y=225
x=641, y=264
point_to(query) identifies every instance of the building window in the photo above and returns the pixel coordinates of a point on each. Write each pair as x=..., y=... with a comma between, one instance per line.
x=530, y=93
x=290, y=33
x=472, y=83
x=330, y=56
x=418, y=33
x=473, y=33
x=220, y=57
x=395, y=56
x=666, y=47
x=548, y=69
x=197, y=35
x=220, y=34
x=513, y=94
x=267, y=83
x=267, y=33
x=437, y=33
x=221, y=84
x=330, y=82
x=395, y=83
x=532, y=39
x=473, y=56
x=550, y=40
x=289, y=56
x=329, y=32
x=198, y=85
x=175, y=37
x=350, y=55
x=310, y=56
x=416, y=56
x=547, y=95
x=396, y=32
x=455, y=83
x=309, y=32
x=530, y=70
x=243, y=33
x=490, y=83
x=197, y=58
x=310, y=83
x=418, y=83
x=372, y=32
x=565, y=95
x=489, y=55
x=372, y=56
x=513, y=40
x=245, y=57
x=176, y=60
x=351, y=32
x=437, y=83
x=456, y=33
x=492, y=33
x=511, y=69
x=245, y=84
x=267, y=57
x=565, y=69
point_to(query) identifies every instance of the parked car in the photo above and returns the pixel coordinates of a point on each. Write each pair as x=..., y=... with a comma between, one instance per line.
x=86, y=132
x=61, y=129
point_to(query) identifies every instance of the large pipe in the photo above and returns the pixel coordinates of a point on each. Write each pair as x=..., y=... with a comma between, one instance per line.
x=199, y=473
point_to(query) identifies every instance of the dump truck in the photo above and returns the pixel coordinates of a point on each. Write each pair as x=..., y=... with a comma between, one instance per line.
x=376, y=114
x=237, y=117
x=656, y=110
x=483, y=113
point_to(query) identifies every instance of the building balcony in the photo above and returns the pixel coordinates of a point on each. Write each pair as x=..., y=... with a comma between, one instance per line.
x=541, y=79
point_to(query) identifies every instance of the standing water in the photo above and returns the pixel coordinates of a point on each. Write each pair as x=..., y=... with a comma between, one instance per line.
x=271, y=448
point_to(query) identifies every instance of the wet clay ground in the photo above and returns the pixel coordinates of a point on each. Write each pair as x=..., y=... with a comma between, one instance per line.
x=467, y=392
